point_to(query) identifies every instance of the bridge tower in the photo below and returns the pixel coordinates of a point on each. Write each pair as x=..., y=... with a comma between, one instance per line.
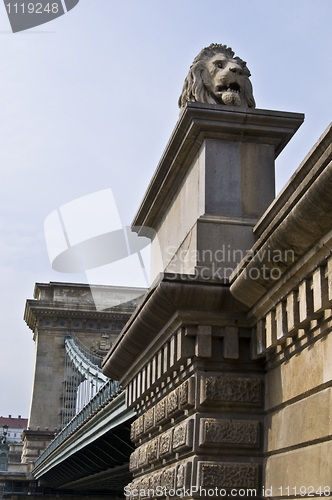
x=57, y=311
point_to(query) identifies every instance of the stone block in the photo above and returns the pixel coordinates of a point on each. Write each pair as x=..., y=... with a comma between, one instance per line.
x=160, y=412
x=305, y=301
x=292, y=309
x=133, y=461
x=281, y=321
x=320, y=290
x=165, y=443
x=153, y=450
x=301, y=422
x=183, y=436
x=290, y=380
x=241, y=390
x=227, y=475
x=168, y=478
x=271, y=330
x=308, y=466
x=216, y=431
x=231, y=342
x=203, y=344
x=149, y=420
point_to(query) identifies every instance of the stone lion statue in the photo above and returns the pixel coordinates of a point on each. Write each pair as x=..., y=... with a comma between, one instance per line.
x=217, y=77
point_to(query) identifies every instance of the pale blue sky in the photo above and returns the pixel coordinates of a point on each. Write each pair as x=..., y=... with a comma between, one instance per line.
x=88, y=102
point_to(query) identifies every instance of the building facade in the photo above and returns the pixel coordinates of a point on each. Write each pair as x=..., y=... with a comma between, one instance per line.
x=16, y=425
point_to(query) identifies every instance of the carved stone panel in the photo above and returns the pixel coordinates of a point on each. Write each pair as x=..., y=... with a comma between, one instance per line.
x=216, y=389
x=160, y=413
x=133, y=461
x=143, y=456
x=135, y=488
x=180, y=476
x=183, y=475
x=155, y=480
x=165, y=443
x=214, y=432
x=183, y=435
x=168, y=478
x=133, y=431
x=152, y=450
x=184, y=393
x=144, y=487
x=140, y=426
x=173, y=402
x=227, y=475
x=149, y=419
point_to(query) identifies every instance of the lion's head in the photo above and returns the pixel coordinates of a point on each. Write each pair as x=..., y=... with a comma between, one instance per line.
x=217, y=77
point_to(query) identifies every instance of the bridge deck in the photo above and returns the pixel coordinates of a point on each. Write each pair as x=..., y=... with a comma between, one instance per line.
x=94, y=456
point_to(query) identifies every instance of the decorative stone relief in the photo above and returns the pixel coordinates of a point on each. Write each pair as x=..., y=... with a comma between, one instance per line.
x=133, y=432
x=139, y=426
x=231, y=389
x=184, y=393
x=152, y=450
x=168, y=478
x=135, y=487
x=180, y=476
x=144, y=487
x=155, y=480
x=171, y=441
x=183, y=475
x=165, y=443
x=149, y=419
x=215, y=431
x=176, y=401
x=102, y=345
x=143, y=456
x=172, y=402
x=228, y=475
x=165, y=478
x=160, y=410
x=182, y=435
x=133, y=461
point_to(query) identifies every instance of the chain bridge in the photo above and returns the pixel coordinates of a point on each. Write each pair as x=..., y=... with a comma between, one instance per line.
x=78, y=436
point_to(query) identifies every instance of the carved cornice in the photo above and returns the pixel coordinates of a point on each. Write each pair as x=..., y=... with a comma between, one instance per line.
x=35, y=309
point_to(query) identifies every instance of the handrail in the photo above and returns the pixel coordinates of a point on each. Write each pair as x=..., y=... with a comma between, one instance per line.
x=105, y=394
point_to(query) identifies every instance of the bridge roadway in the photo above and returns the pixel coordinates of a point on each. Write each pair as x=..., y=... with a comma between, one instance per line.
x=91, y=454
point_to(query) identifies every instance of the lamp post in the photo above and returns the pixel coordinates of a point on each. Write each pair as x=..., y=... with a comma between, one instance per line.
x=4, y=449
x=4, y=433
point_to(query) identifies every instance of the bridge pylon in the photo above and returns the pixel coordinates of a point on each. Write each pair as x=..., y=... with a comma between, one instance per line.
x=61, y=310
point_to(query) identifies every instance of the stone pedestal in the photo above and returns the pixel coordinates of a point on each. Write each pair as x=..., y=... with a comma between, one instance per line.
x=34, y=442
x=185, y=362
x=213, y=183
x=184, y=357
